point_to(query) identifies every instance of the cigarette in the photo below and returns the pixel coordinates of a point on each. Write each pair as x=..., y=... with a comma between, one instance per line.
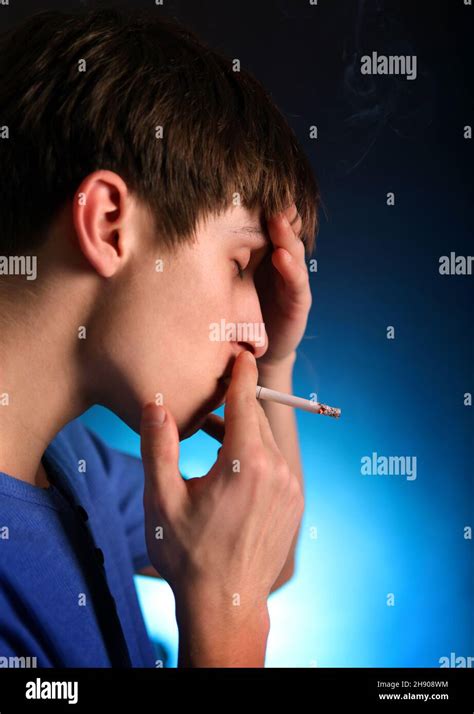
x=290, y=400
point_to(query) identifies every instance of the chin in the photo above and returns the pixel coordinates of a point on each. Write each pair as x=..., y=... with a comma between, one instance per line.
x=188, y=431
x=192, y=425
x=196, y=420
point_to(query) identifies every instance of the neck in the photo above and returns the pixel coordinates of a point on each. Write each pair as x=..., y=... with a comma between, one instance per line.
x=41, y=381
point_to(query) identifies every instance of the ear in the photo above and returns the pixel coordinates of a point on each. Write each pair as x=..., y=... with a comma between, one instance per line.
x=99, y=212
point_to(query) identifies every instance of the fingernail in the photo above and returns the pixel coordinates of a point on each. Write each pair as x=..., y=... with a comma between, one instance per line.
x=153, y=415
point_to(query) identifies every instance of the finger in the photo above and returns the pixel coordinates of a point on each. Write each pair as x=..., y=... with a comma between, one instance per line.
x=159, y=446
x=295, y=276
x=240, y=412
x=294, y=218
x=284, y=233
x=214, y=425
x=266, y=431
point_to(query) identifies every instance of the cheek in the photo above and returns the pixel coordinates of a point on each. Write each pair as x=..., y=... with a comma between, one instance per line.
x=183, y=305
x=209, y=297
x=193, y=301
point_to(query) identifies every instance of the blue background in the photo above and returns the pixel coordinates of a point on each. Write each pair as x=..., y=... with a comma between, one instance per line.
x=377, y=267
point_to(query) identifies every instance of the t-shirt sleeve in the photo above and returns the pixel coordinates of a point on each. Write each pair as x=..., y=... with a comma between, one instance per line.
x=126, y=479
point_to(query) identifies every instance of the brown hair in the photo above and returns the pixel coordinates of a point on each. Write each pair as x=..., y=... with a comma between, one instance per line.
x=222, y=133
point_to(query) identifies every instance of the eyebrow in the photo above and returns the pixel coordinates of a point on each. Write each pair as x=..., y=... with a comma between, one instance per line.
x=256, y=231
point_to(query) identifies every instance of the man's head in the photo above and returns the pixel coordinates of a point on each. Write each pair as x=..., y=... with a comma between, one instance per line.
x=134, y=162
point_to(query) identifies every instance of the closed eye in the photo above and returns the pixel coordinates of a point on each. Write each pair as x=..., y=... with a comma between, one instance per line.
x=252, y=261
x=240, y=270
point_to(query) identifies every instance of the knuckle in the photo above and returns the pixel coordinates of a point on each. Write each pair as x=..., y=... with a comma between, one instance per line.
x=295, y=491
x=300, y=244
x=300, y=506
x=282, y=471
x=281, y=477
x=296, y=221
x=259, y=462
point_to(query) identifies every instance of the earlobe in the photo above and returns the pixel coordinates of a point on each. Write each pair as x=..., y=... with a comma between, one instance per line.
x=99, y=210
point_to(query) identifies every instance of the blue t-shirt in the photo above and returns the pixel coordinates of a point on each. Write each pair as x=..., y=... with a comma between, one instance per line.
x=68, y=555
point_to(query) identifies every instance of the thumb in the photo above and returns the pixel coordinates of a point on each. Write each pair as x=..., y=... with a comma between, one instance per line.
x=159, y=448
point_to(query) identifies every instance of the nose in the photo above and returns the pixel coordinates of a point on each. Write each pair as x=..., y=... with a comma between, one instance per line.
x=253, y=334
x=256, y=341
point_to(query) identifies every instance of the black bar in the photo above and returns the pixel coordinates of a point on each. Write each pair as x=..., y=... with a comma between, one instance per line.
x=143, y=690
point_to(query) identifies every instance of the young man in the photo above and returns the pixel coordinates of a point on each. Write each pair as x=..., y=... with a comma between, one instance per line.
x=154, y=192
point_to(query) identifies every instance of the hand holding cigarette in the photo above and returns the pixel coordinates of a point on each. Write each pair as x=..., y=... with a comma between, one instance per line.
x=224, y=535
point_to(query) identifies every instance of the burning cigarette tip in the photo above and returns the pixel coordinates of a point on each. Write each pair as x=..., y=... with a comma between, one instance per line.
x=329, y=411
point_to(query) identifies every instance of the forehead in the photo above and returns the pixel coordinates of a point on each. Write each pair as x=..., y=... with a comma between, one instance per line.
x=240, y=224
